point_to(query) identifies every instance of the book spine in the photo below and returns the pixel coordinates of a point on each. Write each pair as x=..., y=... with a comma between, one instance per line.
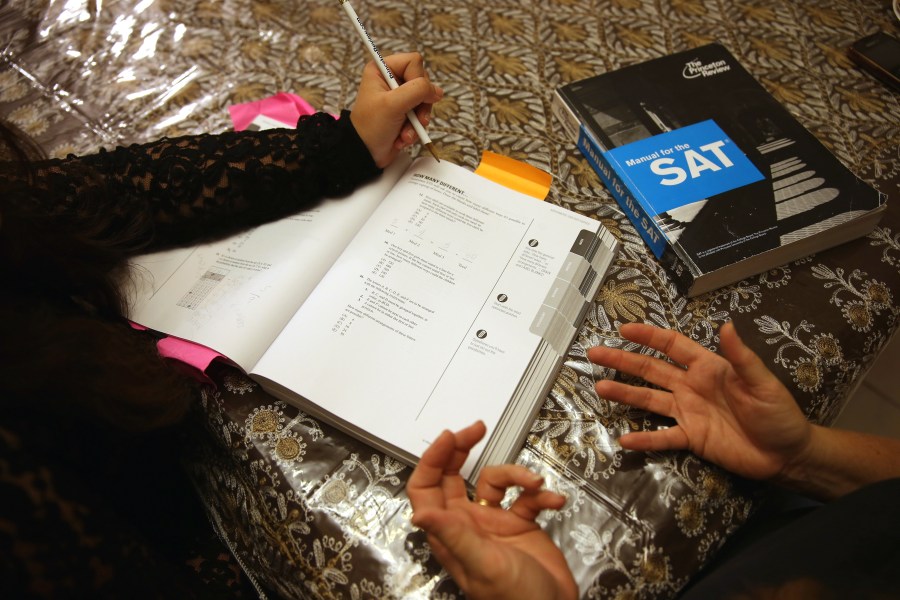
x=565, y=115
x=635, y=211
x=644, y=224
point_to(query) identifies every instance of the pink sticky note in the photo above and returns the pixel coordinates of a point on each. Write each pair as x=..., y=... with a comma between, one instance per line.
x=283, y=107
x=187, y=352
x=191, y=354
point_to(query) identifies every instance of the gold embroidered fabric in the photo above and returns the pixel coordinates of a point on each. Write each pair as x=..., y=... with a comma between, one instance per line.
x=310, y=512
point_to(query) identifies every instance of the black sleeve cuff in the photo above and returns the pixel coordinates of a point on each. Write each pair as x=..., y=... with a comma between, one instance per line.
x=353, y=150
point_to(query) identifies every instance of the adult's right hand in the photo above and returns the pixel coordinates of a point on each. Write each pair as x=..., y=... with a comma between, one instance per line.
x=730, y=409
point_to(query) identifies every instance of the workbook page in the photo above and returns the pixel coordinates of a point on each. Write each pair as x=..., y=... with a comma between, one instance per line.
x=431, y=301
x=235, y=295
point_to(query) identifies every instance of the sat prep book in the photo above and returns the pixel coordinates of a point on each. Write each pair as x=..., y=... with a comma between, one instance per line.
x=719, y=179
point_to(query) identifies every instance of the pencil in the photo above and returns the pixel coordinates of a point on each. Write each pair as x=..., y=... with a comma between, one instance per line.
x=386, y=73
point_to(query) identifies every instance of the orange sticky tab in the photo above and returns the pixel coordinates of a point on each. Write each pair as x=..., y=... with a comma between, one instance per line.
x=514, y=174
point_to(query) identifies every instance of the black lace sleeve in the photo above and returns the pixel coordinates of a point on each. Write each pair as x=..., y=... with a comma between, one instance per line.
x=199, y=187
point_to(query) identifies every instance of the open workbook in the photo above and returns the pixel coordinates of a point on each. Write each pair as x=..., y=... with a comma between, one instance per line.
x=424, y=301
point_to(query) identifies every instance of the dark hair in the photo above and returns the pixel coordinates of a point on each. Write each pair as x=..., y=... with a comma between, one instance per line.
x=66, y=345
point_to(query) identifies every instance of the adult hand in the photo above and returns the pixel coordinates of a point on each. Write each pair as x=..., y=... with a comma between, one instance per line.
x=379, y=114
x=730, y=409
x=491, y=553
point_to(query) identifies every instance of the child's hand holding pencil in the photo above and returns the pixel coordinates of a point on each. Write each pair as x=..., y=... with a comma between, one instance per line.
x=392, y=91
x=380, y=113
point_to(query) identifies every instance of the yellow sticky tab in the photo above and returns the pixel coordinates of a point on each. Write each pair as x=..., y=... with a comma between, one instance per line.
x=514, y=174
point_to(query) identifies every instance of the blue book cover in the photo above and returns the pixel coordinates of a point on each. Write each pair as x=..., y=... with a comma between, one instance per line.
x=718, y=178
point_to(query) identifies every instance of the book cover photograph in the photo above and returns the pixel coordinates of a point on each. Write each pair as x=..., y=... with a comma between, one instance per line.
x=719, y=179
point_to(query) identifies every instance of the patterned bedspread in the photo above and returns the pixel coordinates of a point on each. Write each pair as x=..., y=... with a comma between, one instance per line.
x=311, y=512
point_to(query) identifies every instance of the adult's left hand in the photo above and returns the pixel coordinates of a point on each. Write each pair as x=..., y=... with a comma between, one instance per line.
x=490, y=552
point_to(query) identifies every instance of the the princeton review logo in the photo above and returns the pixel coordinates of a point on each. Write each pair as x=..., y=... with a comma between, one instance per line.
x=696, y=68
